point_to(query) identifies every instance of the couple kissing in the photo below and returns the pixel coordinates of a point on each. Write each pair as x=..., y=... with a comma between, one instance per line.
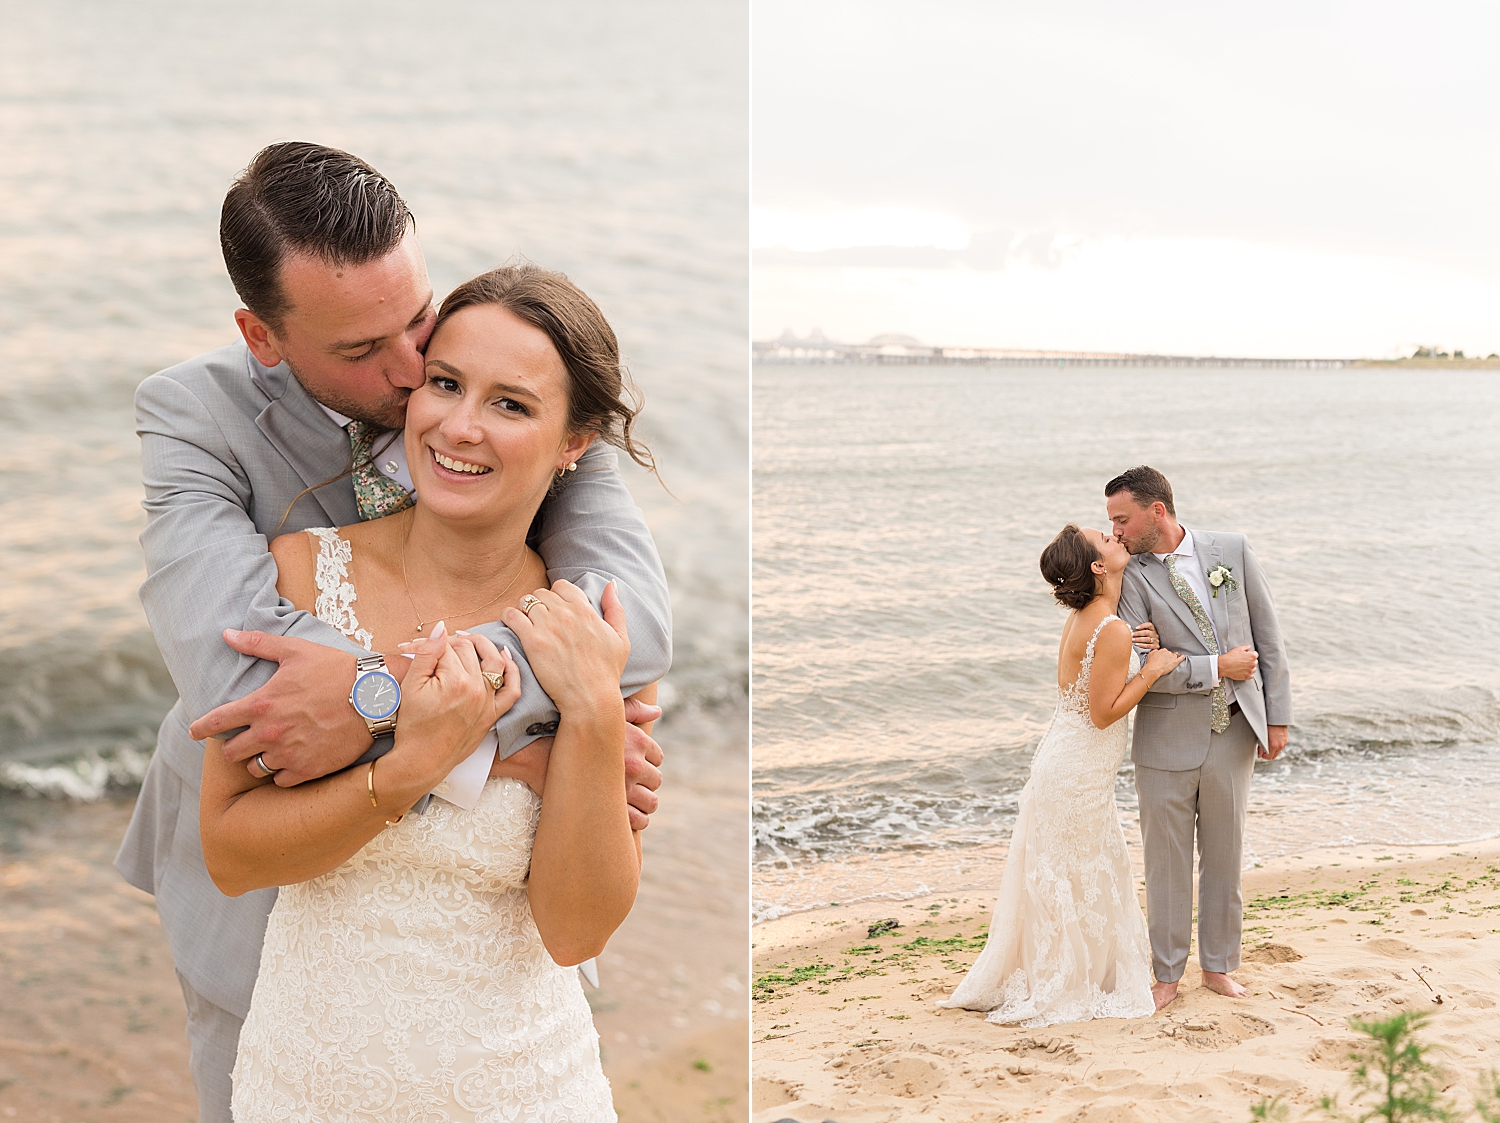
x=1178, y=626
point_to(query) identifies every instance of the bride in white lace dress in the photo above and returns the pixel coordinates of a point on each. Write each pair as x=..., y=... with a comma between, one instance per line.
x=1068, y=941
x=417, y=966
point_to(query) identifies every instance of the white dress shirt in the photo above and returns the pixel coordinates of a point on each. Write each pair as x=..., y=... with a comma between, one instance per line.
x=1187, y=565
x=465, y=783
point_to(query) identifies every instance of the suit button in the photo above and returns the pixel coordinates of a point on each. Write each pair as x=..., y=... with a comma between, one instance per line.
x=535, y=728
x=550, y=727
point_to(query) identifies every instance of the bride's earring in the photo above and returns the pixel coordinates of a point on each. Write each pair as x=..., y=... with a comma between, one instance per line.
x=571, y=466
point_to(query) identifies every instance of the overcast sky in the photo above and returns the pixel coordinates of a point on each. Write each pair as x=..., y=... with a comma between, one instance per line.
x=1271, y=179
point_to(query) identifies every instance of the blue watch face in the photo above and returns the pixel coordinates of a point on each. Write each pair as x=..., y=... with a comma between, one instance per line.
x=376, y=695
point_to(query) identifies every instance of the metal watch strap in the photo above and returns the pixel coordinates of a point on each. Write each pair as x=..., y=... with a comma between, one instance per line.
x=363, y=665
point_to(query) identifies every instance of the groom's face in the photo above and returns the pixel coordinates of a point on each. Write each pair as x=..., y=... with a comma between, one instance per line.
x=1138, y=528
x=355, y=334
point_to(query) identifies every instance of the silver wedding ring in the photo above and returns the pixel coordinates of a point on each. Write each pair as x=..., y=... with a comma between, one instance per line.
x=496, y=679
x=265, y=769
x=528, y=602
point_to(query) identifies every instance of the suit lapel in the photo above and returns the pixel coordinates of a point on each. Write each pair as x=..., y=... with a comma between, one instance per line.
x=313, y=445
x=1156, y=573
x=1210, y=555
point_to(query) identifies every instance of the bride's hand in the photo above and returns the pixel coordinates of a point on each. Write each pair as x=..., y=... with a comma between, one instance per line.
x=576, y=656
x=1145, y=637
x=446, y=704
x=1161, y=662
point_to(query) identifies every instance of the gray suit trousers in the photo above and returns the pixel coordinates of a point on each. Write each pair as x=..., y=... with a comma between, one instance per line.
x=1210, y=801
x=214, y=1035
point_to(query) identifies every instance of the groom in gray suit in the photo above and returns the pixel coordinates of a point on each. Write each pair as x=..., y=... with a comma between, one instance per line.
x=1199, y=728
x=297, y=426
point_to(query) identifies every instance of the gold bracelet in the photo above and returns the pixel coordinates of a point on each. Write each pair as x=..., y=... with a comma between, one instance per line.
x=370, y=781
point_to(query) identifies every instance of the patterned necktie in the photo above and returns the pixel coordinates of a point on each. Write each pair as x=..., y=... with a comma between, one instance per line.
x=1206, y=630
x=376, y=495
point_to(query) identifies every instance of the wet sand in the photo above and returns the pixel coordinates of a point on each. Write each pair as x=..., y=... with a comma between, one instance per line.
x=846, y=1026
x=91, y=1018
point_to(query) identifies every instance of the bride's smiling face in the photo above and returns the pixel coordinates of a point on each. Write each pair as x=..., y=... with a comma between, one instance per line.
x=487, y=432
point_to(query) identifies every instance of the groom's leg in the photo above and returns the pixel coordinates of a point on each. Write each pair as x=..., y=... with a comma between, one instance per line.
x=1224, y=794
x=1169, y=809
x=214, y=1035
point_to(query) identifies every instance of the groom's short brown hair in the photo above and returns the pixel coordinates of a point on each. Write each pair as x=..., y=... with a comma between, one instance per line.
x=1146, y=486
x=298, y=197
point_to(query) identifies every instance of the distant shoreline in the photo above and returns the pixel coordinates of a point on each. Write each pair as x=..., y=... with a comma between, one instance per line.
x=820, y=352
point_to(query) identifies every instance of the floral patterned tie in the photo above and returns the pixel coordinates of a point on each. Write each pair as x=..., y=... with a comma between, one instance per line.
x=1220, y=720
x=377, y=495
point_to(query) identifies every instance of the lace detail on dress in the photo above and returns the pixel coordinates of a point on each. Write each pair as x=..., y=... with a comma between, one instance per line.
x=1068, y=940
x=1075, y=696
x=336, y=597
x=410, y=984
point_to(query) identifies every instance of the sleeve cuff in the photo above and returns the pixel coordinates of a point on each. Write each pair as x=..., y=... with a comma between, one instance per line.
x=465, y=784
x=1213, y=666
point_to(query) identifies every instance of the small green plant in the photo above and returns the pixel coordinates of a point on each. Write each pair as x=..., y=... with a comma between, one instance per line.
x=1393, y=1080
x=1487, y=1099
x=1269, y=1109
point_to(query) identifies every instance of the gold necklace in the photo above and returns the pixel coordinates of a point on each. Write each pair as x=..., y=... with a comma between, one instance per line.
x=422, y=623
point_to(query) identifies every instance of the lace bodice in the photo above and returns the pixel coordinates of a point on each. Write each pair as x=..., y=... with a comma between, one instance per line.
x=411, y=983
x=1068, y=940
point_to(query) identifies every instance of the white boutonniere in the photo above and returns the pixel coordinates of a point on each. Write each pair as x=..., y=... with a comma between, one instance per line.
x=1221, y=576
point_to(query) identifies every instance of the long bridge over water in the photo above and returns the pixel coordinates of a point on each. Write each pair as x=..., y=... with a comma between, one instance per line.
x=826, y=352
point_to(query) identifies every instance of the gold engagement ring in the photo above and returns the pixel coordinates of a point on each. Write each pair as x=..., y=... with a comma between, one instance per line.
x=528, y=602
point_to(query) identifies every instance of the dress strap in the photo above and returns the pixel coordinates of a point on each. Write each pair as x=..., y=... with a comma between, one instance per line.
x=336, y=596
x=1088, y=652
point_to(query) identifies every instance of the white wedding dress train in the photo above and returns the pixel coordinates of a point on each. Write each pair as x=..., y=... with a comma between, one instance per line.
x=1068, y=940
x=411, y=983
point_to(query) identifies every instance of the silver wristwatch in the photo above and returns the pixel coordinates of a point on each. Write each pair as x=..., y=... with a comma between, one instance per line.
x=376, y=695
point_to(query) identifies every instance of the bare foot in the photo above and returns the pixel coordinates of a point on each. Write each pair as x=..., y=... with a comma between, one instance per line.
x=1163, y=993
x=1220, y=983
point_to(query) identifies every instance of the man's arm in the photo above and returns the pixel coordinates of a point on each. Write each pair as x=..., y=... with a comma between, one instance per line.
x=1275, y=674
x=593, y=533
x=1194, y=675
x=208, y=570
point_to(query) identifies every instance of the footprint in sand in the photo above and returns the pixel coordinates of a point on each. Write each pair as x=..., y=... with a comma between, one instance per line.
x=1396, y=949
x=1313, y=991
x=1273, y=953
x=1050, y=1049
x=909, y=1077
x=766, y=1093
x=1332, y=1052
x=1218, y=1032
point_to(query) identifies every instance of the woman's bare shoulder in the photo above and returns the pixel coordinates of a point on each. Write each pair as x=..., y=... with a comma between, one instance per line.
x=1114, y=640
x=295, y=576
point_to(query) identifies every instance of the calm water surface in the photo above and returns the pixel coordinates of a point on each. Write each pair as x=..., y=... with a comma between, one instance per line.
x=905, y=643
x=604, y=140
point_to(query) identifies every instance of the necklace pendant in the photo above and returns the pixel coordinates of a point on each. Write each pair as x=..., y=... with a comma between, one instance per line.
x=419, y=627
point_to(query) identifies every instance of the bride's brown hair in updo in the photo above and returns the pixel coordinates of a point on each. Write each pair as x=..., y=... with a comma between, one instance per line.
x=1065, y=565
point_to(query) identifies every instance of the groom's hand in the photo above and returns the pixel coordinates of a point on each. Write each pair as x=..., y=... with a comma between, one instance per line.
x=643, y=758
x=1276, y=734
x=301, y=721
x=1238, y=663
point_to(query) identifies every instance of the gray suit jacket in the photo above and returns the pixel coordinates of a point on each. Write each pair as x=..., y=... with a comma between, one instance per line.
x=1172, y=721
x=226, y=446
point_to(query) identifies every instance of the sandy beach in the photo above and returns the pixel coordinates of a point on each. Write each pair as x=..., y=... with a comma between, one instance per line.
x=91, y=1018
x=846, y=1026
